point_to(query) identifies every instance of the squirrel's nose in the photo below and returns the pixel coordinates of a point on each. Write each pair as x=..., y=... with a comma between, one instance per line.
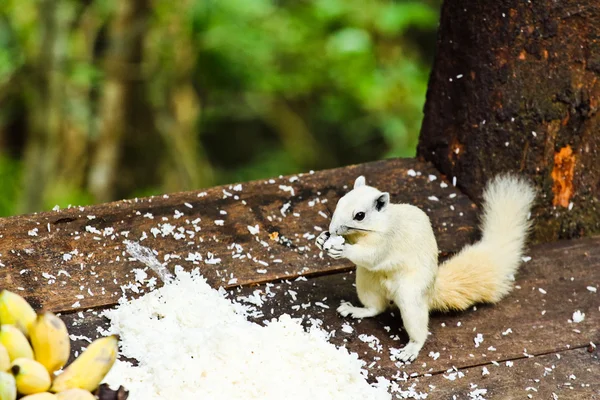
x=333, y=229
x=338, y=230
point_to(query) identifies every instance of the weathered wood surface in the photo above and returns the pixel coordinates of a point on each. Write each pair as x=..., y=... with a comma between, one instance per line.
x=76, y=258
x=571, y=374
x=520, y=90
x=527, y=323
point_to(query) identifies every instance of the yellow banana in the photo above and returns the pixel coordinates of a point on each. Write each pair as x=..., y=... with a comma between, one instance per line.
x=88, y=370
x=75, y=394
x=40, y=396
x=50, y=340
x=15, y=310
x=30, y=375
x=4, y=359
x=15, y=342
x=8, y=386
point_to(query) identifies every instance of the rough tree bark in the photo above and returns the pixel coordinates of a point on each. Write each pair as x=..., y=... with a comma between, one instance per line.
x=516, y=86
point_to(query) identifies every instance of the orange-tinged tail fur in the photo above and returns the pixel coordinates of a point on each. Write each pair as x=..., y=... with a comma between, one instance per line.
x=483, y=272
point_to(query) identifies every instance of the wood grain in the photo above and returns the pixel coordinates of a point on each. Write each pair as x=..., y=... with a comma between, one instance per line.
x=571, y=374
x=76, y=258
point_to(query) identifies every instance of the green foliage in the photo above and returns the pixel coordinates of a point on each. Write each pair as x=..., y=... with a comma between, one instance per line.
x=283, y=86
x=347, y=65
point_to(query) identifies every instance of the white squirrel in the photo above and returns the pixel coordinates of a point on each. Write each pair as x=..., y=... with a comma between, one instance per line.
x=396, y=256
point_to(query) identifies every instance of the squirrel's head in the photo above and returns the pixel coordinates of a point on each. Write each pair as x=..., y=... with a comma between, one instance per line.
x=361, y=210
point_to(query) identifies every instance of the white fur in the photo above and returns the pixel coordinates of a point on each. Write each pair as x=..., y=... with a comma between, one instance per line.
x=395, y=253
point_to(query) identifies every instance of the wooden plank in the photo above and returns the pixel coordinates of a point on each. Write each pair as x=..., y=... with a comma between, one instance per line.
x=571, y=374
x=77, y=258
x=527, y=322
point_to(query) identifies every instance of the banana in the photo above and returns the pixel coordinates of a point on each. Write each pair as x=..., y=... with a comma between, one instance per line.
x=8, y=386
x=50, y=340
x=30, y=375
x=40, y=396
x=15, y=342
x=15, y=310
x=4, y=359
x=75, y=394
x=88, y=370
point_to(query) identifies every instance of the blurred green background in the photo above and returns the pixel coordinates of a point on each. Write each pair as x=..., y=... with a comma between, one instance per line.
x=102, y=100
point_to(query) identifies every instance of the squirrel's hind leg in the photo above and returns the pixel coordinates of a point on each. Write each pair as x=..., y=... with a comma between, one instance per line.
x=415, y=316
x=370, y=295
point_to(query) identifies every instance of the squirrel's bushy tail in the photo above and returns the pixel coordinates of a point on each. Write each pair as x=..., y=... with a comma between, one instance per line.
x=483, y=272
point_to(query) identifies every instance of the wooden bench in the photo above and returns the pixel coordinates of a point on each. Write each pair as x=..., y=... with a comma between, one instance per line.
x=75, y=261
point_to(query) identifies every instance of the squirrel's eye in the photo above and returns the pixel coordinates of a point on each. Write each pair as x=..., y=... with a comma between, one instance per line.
x=359, y=216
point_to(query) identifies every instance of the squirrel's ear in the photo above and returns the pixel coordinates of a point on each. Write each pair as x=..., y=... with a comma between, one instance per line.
x=382, y=201
x=360, y=181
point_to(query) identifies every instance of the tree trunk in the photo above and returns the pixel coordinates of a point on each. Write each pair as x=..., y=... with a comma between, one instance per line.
x=123, y=73
x=516, y=87
x=55, y=151
x=178, y=112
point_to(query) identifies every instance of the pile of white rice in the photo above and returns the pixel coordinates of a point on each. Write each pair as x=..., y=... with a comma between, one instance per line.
x=193, y=343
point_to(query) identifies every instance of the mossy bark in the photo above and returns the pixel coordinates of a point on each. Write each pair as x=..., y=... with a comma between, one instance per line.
x=516, y=87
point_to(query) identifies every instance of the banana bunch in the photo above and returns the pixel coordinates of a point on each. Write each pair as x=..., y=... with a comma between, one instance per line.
x=33, y=347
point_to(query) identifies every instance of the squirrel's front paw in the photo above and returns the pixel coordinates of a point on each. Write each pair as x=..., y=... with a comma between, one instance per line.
x=322, y=238
x=336, y=251
x=335, y=246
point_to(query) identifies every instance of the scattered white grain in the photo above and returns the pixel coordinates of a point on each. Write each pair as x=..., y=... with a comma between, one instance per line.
x=288, y=189
x=478, y=339
x=478, y=394
x=411, y=172
x=334, y=240
x=284, y=208
x=592, y=289
x=578, y=316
